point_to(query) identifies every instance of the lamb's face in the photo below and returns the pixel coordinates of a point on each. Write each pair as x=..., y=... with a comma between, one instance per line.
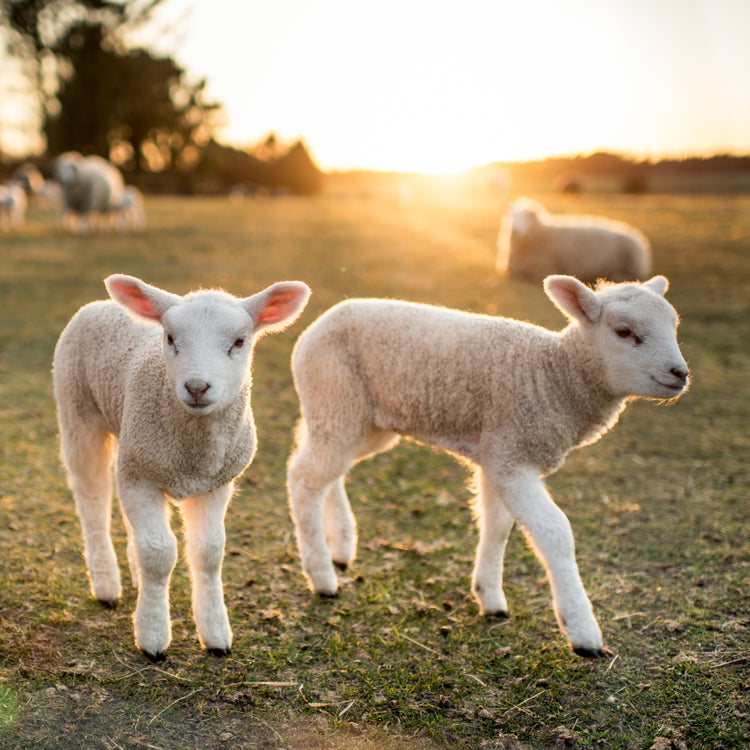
x=207, y=345
x=637, y=336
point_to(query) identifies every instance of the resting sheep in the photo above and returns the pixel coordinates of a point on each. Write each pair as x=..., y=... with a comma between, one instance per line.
x=12, y=207
x=510, y=398
x=163, y=382
x=92, y=190
x=535, y=244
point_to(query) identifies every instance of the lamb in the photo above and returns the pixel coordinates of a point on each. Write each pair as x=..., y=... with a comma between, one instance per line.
x=509, y=398
x=12, y=207
x=163, y=382
x=533, y=243
x=92, y=189
x=129, y=213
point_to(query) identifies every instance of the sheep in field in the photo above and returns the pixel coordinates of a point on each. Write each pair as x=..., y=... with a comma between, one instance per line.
x=534, y=244
x=129, y=213
x=91, y=190
x=508, y=397
x=13, y=204
x=162, y=382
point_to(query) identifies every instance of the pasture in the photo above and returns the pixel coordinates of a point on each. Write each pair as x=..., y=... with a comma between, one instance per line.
x=401, y=658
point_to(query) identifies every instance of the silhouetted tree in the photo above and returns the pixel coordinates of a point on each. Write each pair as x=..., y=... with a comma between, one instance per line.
x=134, y=106
x=95, y=96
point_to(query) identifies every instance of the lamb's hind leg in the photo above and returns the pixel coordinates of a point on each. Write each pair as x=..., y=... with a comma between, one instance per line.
x=310, y=477
x=495, y=523
x=88, y=453
x=339, y=521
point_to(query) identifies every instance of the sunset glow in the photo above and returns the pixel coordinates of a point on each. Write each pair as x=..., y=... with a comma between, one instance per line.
x=434, y=86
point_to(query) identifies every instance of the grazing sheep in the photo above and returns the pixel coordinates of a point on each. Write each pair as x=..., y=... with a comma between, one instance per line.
x=163, y=382
x=92, y=190
x=12, y=207
x=508, y=397
x=129, y=213
x=29, y=178
x=536, y=244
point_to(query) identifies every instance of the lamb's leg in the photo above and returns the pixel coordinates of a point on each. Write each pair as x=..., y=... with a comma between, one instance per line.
x=88, y=452
x=340, y=525
x=549, y=531
x=155, y=546
x=308, y=482
x=205, y=536
x=495, y=523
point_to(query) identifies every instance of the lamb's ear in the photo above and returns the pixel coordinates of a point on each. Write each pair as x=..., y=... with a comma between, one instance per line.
x=278, y=306
x=139, y=298
x=575, y=299
x=658, y=284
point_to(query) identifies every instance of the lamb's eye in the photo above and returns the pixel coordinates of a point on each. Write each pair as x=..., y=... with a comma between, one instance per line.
x=238, y=344
x=170, y=339
x=624, y=332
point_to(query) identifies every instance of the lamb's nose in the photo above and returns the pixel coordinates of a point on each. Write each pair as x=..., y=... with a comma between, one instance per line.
x=196, y=388
x=680, y=374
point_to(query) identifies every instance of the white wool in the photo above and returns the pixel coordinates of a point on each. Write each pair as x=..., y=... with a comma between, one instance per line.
x=534, y=243
x=129, y=213
x=163, y=383
x=92, y=190
x=12, y=207
x=510, y=398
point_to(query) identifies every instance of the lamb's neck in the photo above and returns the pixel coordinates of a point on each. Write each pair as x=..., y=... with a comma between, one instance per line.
x=582, y=387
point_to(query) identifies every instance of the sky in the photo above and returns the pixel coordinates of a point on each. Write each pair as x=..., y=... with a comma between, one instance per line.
x=435, y=86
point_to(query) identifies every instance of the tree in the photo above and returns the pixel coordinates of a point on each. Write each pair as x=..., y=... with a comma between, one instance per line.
x=136, y=108
x=94, y=95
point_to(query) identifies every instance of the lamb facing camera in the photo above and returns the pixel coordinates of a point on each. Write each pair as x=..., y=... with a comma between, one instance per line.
x=508, y=397
x=162, y=383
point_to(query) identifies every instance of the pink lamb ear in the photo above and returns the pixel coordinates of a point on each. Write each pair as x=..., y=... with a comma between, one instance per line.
x=278, y=306
x=139, y=298
x=575, y=299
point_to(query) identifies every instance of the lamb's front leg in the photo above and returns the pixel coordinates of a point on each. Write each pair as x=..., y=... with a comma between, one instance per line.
x=549, y=531
x=155, y=550
x=205, y=537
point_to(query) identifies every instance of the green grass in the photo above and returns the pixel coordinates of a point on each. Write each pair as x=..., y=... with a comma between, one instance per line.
x=401, y=659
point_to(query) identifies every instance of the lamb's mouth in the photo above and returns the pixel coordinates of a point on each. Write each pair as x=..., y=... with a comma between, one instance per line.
x=674, y=387
x=198, y=405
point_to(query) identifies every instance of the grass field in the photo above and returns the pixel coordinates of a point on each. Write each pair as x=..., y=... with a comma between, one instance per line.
x=401, y=659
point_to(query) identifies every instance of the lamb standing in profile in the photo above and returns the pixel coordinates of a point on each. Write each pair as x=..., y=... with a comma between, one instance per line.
x=535, y=244
x=163, y=382
x=91, y=190
x=508, y=397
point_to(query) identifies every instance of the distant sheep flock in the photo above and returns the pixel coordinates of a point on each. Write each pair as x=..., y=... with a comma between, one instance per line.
x=89, y=192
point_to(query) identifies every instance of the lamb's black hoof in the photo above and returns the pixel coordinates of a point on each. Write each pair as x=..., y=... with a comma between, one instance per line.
x=219, y=651
x=589, y=653
x=334, y=595
x=156, y=658
x=501, y=614
x=342, y=566
x=109, y=603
